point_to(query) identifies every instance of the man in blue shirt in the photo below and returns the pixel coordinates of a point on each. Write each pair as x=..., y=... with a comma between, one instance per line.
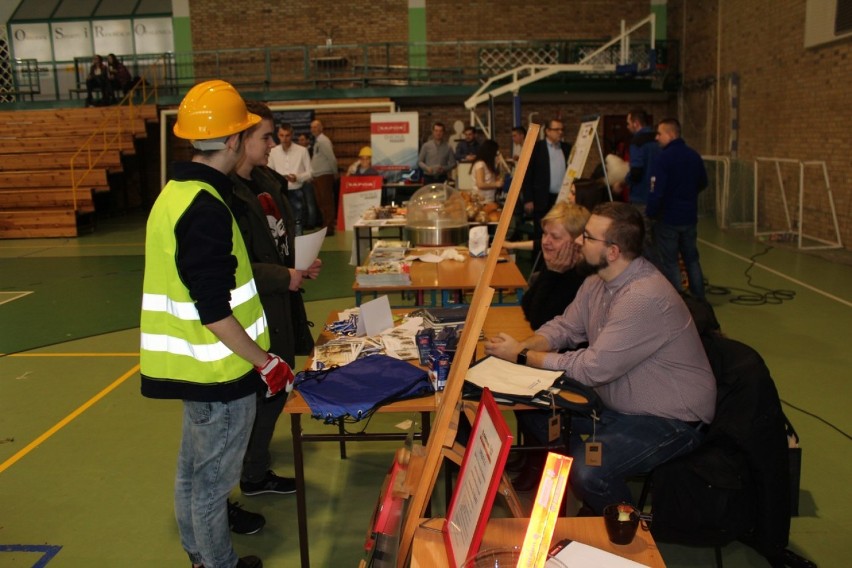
x=677, y=176
x=643, y=150
x=467, y=146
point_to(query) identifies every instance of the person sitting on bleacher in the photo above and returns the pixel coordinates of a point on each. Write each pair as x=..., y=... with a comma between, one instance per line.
x=98, y=79
x=119, y=77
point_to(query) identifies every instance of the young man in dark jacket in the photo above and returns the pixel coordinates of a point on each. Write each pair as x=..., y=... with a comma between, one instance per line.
x=543, y=179
x=267, y=225
x=677, y=176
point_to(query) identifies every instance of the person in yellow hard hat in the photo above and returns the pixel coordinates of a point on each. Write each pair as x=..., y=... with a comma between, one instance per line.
x=204, y=337
x=364, y=165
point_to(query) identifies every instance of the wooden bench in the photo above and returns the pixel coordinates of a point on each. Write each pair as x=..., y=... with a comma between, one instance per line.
x=95, y=179
x=145, y=112
x=14, y=145
x=36, y=149
x=111, y=160
x=36, y=130
x=38, y=223
x=47, y=197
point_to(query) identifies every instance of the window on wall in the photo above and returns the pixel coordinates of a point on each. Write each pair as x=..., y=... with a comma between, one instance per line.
x=45, y=10
x=76, y=10
x=827, y=21
x=35, y=10
x=843, y=17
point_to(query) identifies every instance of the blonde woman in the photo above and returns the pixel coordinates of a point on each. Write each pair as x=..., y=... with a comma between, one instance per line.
x=552, y=289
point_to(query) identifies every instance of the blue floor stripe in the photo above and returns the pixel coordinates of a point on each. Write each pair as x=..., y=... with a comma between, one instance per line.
x=48, y=551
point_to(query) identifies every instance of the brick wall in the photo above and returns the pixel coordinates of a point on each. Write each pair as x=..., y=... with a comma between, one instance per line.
x=224, y=24
x=510, y=19
x=794, y=102
x=218, y=24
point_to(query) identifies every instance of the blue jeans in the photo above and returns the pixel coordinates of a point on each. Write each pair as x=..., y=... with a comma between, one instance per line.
x=297, y=205
x=630, y=445
x=215, y=435
x=311, y=210
x=670, y=240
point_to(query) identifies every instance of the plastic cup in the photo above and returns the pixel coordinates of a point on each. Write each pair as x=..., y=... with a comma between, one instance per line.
x=503, y=558
x=495, y=558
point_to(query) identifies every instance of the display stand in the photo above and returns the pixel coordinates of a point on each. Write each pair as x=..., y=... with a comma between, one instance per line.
x=445, y=427
x=479, y=477
x=579, y=154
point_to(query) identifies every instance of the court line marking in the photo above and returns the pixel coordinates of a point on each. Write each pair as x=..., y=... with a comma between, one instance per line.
x=72, y=355
x=67, y=420
x=777, y=273
x=15, y=296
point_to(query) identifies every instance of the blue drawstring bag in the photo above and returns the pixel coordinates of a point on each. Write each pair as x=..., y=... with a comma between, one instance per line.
x=357, y=389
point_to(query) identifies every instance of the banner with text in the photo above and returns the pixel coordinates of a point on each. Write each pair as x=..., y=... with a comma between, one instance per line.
x=394, y=137
x=357, y=194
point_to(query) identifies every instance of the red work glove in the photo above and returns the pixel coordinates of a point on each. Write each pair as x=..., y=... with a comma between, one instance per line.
x=276, y=374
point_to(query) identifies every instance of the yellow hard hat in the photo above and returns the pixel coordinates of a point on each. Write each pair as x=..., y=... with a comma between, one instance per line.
x=212, y=109
x=365, y=151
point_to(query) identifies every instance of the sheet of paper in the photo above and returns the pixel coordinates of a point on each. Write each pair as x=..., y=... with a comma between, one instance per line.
x=308, y=247
x=508, y=378
x=375, y=316
x=579, y=554
x=437, y=256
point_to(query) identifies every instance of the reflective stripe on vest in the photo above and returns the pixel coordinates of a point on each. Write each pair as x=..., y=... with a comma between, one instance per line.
x=174, y=343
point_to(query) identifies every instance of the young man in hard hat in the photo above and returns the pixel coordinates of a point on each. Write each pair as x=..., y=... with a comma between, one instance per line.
x=204, y=336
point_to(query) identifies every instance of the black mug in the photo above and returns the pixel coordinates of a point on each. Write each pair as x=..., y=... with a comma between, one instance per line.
x=621, y=522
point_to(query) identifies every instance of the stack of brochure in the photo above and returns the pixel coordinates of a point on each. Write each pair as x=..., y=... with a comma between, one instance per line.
x=386, y=266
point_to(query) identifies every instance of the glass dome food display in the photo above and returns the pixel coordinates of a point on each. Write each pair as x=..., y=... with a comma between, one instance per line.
x=436, y=217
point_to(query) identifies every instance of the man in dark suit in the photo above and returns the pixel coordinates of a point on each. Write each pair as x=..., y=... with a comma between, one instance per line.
x=544, y=176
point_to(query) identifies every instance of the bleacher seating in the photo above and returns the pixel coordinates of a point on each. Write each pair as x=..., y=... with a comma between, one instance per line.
x=53, y=162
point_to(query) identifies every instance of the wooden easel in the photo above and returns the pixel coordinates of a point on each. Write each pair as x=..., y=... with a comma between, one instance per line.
x=425, y=465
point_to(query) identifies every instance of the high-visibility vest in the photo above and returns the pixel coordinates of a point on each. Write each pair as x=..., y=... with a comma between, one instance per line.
x=175, y=345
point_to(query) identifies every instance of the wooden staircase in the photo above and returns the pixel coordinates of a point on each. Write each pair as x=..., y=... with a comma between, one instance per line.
x=53, y=163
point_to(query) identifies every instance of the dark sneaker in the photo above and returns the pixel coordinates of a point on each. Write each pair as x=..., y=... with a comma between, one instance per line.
x=249, y=562
x=271, y=483
x=242, y=521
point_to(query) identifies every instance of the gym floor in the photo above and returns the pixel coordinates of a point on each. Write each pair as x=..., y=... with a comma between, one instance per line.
x=87, y=463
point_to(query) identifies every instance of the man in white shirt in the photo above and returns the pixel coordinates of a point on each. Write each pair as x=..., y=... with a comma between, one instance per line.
x=293, y=162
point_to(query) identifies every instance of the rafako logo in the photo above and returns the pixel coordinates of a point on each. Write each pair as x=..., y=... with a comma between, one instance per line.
x=389, y=127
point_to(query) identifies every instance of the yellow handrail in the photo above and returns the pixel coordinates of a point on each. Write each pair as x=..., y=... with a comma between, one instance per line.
x=124, y=112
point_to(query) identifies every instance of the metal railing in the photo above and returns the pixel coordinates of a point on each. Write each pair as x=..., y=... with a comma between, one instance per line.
x=312, y=67
x=19, y=78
